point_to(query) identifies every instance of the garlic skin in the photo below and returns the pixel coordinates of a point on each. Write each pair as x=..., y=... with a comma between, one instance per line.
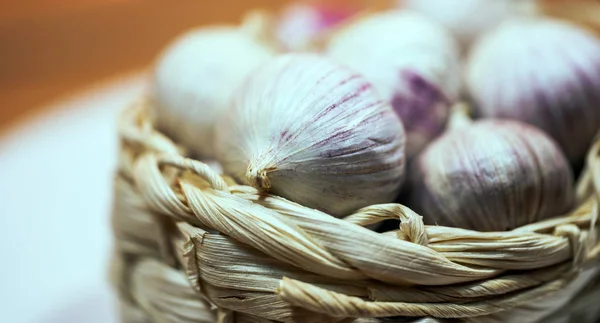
x=313, y=132
x=493, y=175
x=468, y=19
x=300, y=23
x=413, y=63
x=195, y=78
x=544, y=72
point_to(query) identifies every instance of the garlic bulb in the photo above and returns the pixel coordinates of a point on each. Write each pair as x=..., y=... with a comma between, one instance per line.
x=301, y=24
x=468, y=19
x=493, y=175
x=544, y=72
x=312, y=131
x=195, y=78
x=413, y=63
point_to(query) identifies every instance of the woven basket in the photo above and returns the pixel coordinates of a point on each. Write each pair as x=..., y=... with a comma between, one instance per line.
x=194, y=246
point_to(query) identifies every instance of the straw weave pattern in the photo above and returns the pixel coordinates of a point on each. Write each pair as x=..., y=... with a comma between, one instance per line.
x=192, y=245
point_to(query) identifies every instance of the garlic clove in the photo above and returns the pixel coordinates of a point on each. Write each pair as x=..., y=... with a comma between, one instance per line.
x=413, y=63
x=314, y=132
x=301, y=24
x=541, y=71
x=493, y=175
x=194, y=80
x=469, y=19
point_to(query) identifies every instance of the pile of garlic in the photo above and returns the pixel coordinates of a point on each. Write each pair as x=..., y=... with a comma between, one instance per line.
x=370, y=112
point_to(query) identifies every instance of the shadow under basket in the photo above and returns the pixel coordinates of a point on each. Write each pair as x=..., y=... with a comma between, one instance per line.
x=192, y=245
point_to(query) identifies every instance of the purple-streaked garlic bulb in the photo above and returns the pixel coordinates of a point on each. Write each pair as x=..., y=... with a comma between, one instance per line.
x=468, y=19
x=541, y=71
x=195, y=78
x=412, y=62
x=301, y=24
x=492, y=175
x=314, y=132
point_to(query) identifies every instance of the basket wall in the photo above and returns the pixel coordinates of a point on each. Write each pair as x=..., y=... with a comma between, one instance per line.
x=194, y=246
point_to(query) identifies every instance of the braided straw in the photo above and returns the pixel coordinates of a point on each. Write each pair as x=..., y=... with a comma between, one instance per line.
x=194, y=246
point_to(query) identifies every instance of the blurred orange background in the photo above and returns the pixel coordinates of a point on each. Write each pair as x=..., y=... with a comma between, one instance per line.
x=50, y=48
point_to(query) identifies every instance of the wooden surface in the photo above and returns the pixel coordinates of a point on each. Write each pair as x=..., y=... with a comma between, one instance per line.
x=51, y=48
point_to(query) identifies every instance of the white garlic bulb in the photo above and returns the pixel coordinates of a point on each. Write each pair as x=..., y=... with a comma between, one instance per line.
x=195, y=78
x=413, y=63
x=493, y=175
x=301, y=24
x=541, y=71
x=467, y=19
x=314, y=132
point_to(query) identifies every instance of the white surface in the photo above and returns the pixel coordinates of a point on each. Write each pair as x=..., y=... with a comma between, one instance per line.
x=55, y=200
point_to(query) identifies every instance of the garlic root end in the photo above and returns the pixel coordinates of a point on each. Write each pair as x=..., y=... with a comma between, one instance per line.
x=258, y=177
